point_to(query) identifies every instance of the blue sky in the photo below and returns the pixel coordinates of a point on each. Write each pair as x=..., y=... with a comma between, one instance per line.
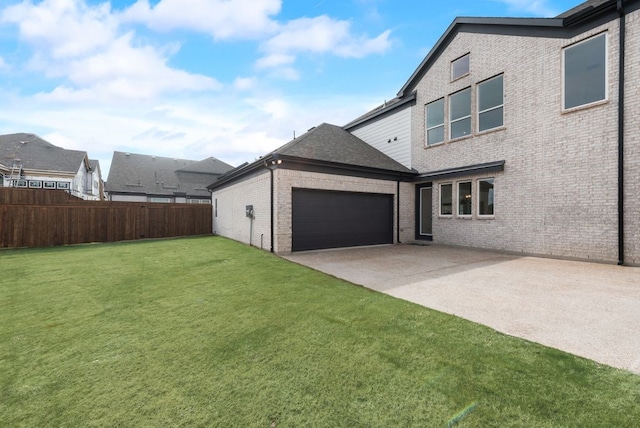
x=231, y=79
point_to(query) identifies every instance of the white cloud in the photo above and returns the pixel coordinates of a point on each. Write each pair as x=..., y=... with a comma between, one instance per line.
x=275, y=60
x=244, y=83
x=3, y=64
x=83, y=46
x=323, y=34
x=63, y=28
x=222, y=19
x=534, y=7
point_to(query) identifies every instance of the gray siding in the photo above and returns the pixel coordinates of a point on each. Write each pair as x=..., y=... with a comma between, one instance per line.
x=391, y=135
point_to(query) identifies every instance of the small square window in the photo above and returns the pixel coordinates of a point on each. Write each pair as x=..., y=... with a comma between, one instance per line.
x=20, y=183
x=464, y=199
x=49, y=184
x=35, y=184
x=63, y=185
x=459, y=67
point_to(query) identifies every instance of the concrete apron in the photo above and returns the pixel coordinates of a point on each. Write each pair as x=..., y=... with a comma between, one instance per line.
x=588, y=309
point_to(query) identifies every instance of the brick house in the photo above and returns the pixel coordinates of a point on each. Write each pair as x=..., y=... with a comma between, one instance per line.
x=514, y=134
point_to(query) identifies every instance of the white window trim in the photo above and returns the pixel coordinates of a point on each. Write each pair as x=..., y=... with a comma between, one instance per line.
x=451, y=122
x=606, y=73
x=489, y=109
x=63, y=185
x=458, y=215
x=485, y=216
x=35, y=184
x=426, y=110
x=440, y=200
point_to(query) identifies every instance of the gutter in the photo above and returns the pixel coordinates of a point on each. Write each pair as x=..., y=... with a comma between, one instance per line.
x=621, y=13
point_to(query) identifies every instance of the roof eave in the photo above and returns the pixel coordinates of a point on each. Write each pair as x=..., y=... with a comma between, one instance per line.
x=459, y=22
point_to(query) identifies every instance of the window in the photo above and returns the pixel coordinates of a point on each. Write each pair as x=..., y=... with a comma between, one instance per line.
x=215, y=207
x=490, y=104
x=49, y=184
x=460, y=114
x=464, y=199
x=160, y=200
x=585, y=72
x=35, y=184
x=20, y=183
x=485, y=197
x=435, y=122
x=459, y=67
x=446, y=199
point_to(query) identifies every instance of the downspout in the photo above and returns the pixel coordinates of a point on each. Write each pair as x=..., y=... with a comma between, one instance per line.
x=621, y=134
x=398, y=211
x=271, y=202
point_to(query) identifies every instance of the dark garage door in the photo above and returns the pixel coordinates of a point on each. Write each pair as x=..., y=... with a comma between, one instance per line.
x=329, y=219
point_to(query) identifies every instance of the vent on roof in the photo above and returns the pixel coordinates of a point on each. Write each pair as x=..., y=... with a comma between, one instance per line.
x=127, y=154
x=23, y=142
x=153, y=157
x=311, y=129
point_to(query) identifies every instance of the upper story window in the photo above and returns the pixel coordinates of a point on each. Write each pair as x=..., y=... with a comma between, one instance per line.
x=435, y=122
x=490, y=104
x=585, y=72
x=460, y=114
x=459, y=67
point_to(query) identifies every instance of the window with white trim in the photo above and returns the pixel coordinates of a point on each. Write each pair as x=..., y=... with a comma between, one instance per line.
x=446, y=199
x=49, y=184
x=485, y=197
x=460, y=114
x=460, y=67
x=585, y=72
x=20, y=183
x=490, y=104
x=464, y=199
x=64, y=185
x=35, y=184
x=435, y=122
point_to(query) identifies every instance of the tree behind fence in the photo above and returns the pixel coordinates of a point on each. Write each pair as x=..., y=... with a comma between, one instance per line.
x=41, y=218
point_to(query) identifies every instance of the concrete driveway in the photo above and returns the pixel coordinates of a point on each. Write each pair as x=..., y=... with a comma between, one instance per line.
x=588, y=309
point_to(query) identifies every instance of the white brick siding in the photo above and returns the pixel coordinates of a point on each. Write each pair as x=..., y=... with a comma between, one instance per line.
x=558, y=193
x=229, y=204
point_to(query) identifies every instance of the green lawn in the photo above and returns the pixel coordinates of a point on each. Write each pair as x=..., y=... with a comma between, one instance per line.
x=209, y=332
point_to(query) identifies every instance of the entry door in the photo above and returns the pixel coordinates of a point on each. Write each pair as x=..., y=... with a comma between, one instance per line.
x=424, y=211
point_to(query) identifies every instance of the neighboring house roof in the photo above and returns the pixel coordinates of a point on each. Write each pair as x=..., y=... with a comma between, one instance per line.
x=325, y=148
x=156, y=175
x=37, y=154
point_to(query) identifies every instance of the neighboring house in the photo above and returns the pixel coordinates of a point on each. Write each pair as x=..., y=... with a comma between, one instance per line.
x=28, y=161
x=521, y=135
x=143, y=178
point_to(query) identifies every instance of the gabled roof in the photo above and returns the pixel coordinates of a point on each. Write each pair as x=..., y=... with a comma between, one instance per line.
x=208, y=166
x=568, y=24
x=331, y=143
x=157, y=175
x=325, y=148
x=37, y=154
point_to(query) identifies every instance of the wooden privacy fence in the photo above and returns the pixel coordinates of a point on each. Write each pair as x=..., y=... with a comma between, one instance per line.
x=31, y=220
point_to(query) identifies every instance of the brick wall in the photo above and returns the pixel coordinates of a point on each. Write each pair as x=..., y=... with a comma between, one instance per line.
x=285, y=180
x=558, y=192
x=229, y=204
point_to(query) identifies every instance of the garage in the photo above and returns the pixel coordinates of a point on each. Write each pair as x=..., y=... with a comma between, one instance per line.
x=332, y=219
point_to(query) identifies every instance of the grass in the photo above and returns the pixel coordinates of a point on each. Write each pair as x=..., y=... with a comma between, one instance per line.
x=209, y=332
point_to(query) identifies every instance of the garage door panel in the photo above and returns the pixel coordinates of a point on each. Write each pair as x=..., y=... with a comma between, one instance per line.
x=329, y=219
